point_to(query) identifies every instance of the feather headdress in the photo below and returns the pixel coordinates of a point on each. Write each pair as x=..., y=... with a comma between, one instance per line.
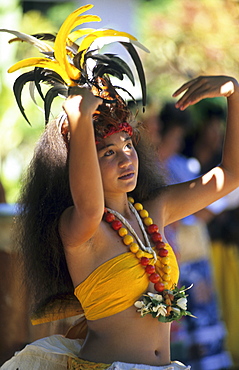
x=69, y=64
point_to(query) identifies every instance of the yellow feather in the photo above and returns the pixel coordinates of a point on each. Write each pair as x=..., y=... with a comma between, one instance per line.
x=102, y=33
x=73, y=36
x=49, y=64
x=72, y=21
x=88, y=40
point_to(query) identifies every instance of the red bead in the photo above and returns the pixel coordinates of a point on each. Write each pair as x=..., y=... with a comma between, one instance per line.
x=156, y=237
x=159, y=245
x=152, y=229
x=154, y=278
x=159, y=287
x=116, y=225
x=109, y=217
x=150, y=269
x=162, y=252
x=144, y=261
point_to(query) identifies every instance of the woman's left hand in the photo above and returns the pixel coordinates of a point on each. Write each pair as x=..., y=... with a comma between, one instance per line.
x=205, y=87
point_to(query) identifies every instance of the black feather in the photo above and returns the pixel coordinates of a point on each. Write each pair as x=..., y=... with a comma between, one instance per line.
x=126, y=91
x=124, y=67
x=138, y=64
x=100, y=70
x=37, y=78
x=39, y=75
x=17, y=89
x=50, y=96
x=111, y=62
x=76, y=60
x=73, y=47
x=45, y=36
x=48, y=76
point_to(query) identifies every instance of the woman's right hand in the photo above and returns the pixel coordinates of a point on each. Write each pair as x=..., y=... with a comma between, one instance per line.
x=84, y=104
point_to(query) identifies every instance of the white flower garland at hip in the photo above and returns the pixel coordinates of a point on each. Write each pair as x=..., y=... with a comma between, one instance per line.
x=169, y=306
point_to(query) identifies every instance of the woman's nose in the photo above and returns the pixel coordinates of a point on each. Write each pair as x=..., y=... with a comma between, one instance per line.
x=125, y=160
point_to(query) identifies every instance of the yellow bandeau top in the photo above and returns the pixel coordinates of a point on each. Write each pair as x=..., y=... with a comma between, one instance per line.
x=116, y=284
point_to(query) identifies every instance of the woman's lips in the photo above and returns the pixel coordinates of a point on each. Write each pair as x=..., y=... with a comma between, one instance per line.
x=127, y=176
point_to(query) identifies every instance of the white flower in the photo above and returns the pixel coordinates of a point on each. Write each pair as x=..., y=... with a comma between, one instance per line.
x=160, y=309
x=157, y=297
x=139, y=304
x=182, y=303
x=176, y=310
x=142, y=307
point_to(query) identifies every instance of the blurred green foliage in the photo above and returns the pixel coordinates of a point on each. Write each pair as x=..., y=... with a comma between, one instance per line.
x=17, y=137
x=185, y=38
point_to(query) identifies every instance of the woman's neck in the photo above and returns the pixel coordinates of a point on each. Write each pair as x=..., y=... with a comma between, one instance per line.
x=118, y=203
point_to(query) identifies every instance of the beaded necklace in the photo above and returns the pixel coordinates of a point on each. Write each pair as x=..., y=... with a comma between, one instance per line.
x=169, y=305
x=145, y=253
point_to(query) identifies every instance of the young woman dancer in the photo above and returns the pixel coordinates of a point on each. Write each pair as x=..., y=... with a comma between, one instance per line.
x=92, y=222
x=106, y=173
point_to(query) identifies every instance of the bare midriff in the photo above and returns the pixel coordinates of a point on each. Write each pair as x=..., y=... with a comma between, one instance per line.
x=127, y=337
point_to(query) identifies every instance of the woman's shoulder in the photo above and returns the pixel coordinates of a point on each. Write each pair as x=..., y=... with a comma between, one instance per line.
x=157, y=199
x=156, y=208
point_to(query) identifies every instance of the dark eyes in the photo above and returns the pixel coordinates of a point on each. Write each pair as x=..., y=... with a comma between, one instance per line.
x=129, y=145
x=111, y=151
x=108, y=153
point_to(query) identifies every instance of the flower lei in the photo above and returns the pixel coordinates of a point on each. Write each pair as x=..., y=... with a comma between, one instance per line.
x=169, y=306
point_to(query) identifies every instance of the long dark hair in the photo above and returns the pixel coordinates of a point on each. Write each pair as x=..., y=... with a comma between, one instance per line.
x=44, y=196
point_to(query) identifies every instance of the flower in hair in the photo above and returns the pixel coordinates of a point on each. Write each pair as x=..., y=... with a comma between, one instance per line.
x=67, y=64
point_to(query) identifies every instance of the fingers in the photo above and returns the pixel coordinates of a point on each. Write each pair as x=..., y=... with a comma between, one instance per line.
x=72, y=103
x=200, y=88
x=81, y=100
x=184, y=87
x=194, y=92
x=205, y=87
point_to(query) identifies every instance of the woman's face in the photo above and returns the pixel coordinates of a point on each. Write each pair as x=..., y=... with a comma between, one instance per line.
x=118, y=163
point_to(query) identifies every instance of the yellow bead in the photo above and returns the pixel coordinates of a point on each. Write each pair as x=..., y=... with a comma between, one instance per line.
x=140, y=254
x=148, y=221
x=144, y=213
x=165, y=260
x=122, y=231
x=167, y=269
x=128, y=239
x=138, y=206
x=131, y=200
x=166, y=284
x=134, y=247
x=148, y=255
x=166, y=277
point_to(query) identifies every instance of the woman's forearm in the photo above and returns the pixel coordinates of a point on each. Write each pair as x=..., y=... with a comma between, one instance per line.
x=84, y=172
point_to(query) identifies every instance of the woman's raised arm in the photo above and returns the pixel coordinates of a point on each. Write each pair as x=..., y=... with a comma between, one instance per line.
x=187, y=198
x=78, y=223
